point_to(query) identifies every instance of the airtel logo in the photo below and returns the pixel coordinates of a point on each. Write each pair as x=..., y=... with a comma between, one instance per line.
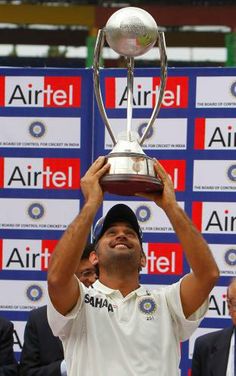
x=41, y=91
x=47, y=173
x=164, y=258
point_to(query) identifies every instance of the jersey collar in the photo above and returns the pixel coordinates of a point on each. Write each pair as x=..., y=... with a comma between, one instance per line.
x=140, y=291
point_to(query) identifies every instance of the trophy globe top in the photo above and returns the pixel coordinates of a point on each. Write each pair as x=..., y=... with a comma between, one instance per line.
x=131, y=31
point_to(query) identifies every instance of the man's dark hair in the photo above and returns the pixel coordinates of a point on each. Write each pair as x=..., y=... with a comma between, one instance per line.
x=87, y=250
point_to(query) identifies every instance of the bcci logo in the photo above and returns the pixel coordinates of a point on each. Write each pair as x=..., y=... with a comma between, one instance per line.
x=36, y=211
x=231, y=172
x=37, y=129
x=143, y=213
x=147, y=306
x=230, y=257
x=141, y=130
x=34, y=293
x=233, y=89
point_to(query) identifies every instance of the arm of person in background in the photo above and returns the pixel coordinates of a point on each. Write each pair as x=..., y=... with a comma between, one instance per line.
x=42, y=353
x=195, y=286
x=62, y=284
x=8, y=364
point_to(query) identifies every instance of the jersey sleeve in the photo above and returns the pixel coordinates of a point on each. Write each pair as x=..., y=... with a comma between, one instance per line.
x=61, y=325
x=184, y=327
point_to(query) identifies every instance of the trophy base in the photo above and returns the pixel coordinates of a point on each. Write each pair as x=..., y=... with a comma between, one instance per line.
x=129, y=184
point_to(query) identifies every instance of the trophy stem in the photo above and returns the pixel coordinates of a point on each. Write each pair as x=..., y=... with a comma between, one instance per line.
x=163, y=59
x=130, y=86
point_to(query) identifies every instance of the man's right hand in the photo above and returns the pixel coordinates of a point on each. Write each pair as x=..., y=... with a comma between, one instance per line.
x=165, y=199
x=90, y=183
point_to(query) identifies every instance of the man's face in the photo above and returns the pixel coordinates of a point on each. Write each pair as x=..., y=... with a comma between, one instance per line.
x=231, y=299
x=86, y=272
x=120, y=242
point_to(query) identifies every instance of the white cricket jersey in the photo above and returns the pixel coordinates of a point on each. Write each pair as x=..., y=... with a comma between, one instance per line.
x=108, y=334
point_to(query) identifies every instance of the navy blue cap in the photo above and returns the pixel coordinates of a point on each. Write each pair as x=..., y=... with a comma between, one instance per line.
x=118, y=213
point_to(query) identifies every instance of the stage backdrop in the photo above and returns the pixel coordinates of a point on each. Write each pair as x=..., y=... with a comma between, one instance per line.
x=51, y=131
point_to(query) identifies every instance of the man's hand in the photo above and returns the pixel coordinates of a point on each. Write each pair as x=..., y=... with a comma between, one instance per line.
x=165, y=198
x=90, y=183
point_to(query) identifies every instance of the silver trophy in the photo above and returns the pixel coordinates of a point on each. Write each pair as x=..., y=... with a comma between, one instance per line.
x=130, y=32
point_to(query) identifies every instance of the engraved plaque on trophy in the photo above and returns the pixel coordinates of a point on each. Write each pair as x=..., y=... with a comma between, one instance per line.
x=130, y=32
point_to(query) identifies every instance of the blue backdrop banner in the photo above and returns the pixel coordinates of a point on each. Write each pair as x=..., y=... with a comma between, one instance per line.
x=51, y=131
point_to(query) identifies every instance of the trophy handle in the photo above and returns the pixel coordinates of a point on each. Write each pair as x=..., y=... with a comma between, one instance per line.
x=96, y=79
x=163, y=59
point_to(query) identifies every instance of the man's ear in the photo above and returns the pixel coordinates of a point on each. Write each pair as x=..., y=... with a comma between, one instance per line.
x=143, y=260
x=93, y=258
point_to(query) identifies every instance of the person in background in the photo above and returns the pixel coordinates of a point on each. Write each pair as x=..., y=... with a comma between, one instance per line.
x=42, y=353
x=118, y=327
x=215, y=353
x=8, y=363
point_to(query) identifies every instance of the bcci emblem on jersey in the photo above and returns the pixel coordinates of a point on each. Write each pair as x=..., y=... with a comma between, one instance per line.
x=147, y=306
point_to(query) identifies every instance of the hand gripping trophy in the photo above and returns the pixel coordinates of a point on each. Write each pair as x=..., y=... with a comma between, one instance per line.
x=130, y=32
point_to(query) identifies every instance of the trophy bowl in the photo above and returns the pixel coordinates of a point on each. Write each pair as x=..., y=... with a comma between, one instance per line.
x=130, y=173
x=131, y=170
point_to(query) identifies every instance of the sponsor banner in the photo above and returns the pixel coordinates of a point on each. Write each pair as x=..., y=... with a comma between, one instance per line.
x=165, y=134
x=150, y=217
x=36, y=91
x=145, y=92
x=37, y=214
x=215, y=134
x=215, y=217
x=25, y=254
x=214, y=175
x=22, y=295
x=18, y=335
x=225, y=256
x=163, y=259
x=197, y=333
x=217, y=303
x=216, y=92
x=26, y=132
x=41, y=173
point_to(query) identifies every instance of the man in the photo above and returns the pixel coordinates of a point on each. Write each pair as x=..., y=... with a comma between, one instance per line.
x=42, y=353
x=8, y=364
x=214, y=353
x=120, y=328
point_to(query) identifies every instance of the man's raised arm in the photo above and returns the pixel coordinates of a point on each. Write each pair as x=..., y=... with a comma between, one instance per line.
x=195, y=286
x=62, y=284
